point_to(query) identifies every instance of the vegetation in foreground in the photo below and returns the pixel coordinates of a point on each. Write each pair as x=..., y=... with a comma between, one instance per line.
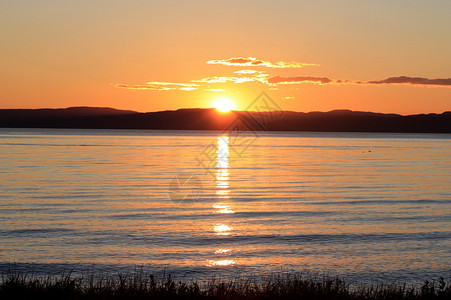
x=147, y=286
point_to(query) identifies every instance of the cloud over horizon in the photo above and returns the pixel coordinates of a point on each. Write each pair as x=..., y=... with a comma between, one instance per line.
x=254, y=62
x=260, y=77
x=391, y=80
x=298, y=79
x=160, y=86
x=413, y=81
x=210, y=83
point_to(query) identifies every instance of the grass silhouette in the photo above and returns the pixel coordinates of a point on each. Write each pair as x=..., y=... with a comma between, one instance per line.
x=141, y=285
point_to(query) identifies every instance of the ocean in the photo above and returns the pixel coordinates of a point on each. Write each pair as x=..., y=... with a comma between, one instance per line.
x=195, y=204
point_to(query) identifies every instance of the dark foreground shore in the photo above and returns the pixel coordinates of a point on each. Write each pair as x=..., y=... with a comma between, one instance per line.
x=140, y=285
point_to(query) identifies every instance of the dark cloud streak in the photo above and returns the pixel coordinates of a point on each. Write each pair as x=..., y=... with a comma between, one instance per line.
x=413, y=81
x=298, y=79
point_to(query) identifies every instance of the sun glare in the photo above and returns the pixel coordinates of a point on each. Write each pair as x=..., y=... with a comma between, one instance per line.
x=224, y=104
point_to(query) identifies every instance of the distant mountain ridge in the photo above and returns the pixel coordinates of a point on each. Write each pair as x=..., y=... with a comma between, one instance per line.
x=210, y=119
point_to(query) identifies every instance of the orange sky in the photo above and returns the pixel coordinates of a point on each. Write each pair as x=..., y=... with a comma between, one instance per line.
x=383, y=56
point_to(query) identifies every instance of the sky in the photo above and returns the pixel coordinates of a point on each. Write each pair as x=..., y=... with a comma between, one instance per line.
x=381, y=56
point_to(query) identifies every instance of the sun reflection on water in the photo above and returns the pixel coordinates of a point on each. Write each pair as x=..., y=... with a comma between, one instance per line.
x=223, y=262
x=221, y=251
x=222, y=175
x=222, y=229
x=223, y=195
x=223, y=208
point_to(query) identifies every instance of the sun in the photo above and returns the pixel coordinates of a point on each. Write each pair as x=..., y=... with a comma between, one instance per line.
x=224, y=104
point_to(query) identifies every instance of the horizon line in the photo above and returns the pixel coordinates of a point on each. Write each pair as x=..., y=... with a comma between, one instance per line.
x=212, y=108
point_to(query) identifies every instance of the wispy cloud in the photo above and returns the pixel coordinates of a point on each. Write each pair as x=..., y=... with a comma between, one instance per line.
x=160, y=86
x=248, y=72
x=254, y=62
x=298, y=79
x=234, y=79
x=215, y=83
x=263, y=78
x=413, y=81
x=391, y=80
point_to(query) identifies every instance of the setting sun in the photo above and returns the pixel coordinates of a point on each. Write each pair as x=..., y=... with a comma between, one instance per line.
x=224, y=104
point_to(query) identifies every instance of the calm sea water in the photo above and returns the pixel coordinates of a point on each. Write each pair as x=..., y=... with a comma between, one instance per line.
x=364, y=206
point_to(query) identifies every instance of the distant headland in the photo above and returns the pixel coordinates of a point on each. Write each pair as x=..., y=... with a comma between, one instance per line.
x=211, y=119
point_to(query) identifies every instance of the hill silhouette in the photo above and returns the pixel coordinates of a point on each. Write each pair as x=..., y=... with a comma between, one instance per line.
x=211, y=119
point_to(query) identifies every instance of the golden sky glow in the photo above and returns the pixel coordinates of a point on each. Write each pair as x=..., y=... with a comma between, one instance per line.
x=383, y=56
